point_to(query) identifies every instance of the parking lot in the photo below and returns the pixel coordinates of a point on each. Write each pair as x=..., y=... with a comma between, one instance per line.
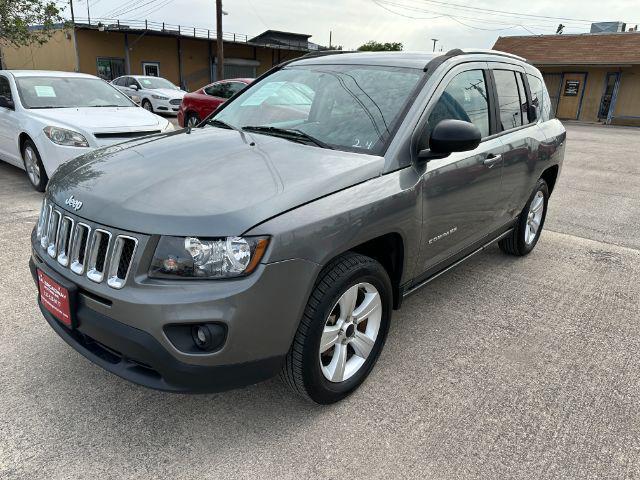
x=502, y=368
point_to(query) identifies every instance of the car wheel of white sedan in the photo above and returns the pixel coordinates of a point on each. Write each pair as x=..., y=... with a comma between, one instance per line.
x=34, y=167
x=146, y=104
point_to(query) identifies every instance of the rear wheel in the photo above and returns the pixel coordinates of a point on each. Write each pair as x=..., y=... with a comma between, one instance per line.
x=33, y=166
x=342, y=332
x=146, y=104
x=192, y=120
x=525, y=235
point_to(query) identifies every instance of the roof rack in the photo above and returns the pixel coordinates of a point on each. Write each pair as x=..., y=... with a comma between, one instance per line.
x=436, y=62
x=323, y=53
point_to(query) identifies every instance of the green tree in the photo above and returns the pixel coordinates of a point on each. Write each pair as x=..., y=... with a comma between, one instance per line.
x=373, y=46
x=18, y=17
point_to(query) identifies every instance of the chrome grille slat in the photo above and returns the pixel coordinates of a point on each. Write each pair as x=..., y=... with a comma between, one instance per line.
x=52, y=233
x=79, y=244
x=44, y=240
x=124, y=249
x=97, y=262
x=83, y=249
x=64, y=240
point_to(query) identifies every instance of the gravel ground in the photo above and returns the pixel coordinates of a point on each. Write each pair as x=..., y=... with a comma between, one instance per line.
x=503, y=368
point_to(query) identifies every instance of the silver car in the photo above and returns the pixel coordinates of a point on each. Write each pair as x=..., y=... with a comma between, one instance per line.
x=154, y=94
x=280, y=234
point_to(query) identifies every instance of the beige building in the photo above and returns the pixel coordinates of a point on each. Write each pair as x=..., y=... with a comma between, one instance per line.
x=592, y=77
x=185, y=56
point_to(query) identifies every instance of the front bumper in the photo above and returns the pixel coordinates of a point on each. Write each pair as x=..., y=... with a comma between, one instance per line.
x=126, y=336
x=165, y=106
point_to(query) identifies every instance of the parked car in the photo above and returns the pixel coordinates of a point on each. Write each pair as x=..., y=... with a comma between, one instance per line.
x=154, y=94
x=47, y=118
x=284, y=245
x=198, y=105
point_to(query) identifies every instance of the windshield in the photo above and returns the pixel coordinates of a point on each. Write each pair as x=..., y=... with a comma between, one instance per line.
x=156, y=82
x=69, y=92
x=349, y=107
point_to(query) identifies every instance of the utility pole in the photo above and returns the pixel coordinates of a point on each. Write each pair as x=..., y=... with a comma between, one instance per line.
x=73, y=17
x=435, y=40
x=330, y=33
x=219, y=52
x=88, y=13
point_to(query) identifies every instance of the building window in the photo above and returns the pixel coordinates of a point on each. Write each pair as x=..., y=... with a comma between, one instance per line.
x=110, y=68
x=151, y=69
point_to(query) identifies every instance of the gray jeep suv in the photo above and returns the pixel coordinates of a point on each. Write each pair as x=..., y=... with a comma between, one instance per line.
x=279, y=235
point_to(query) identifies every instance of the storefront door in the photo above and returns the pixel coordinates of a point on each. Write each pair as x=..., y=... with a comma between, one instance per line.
x=570, y=100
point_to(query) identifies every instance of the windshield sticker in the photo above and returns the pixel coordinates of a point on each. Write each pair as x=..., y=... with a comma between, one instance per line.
x=262, y=94
x=146, y=82
x=44, y=91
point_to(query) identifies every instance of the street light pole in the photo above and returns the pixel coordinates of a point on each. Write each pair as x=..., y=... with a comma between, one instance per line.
x=219, y=50
x=435, y=40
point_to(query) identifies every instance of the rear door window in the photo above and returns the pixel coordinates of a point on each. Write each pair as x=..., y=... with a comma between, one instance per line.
x=465, y=98
x=5, y=88
x=524, y=106
x=509, y=102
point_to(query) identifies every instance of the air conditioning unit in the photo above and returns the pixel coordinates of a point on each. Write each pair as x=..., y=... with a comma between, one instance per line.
x=608, y=27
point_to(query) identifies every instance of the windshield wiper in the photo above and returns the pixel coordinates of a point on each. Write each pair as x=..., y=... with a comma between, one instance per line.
x=293, y=134
x=221, y=123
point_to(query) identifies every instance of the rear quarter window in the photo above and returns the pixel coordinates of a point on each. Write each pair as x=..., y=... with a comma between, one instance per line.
x=540, y=97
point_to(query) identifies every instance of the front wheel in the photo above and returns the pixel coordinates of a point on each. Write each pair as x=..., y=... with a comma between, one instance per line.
x=146, y=104
x=527, y=231
x=191, y=121
x=33, y=166
x=342, y=331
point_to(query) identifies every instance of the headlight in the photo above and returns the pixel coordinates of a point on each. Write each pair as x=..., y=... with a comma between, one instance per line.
x=160, y=97
x=193, y=257
x=68, y=138
x=168, y=127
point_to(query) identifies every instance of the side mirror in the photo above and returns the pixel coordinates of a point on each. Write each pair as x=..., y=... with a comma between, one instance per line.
x=7, y=103
x=133, y=87
x=450, y=136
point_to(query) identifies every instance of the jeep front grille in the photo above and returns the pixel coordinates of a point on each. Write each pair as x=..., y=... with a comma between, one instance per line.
x=85, y=251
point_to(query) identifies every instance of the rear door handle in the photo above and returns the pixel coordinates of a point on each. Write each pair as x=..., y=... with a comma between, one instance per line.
x=491, y=160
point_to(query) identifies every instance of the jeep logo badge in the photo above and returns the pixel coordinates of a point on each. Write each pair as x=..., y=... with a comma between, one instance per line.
x=73, y=203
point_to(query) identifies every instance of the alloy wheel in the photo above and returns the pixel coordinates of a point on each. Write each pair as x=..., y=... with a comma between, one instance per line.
x=534, y=218
x=350, y=332
x=192, y=121
x=31, y=164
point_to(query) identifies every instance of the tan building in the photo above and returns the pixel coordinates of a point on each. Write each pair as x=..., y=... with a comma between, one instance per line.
x=592, y=77
x=185, y=56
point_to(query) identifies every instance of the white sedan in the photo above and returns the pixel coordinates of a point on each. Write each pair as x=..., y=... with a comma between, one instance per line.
x=156, y=94
x=47, y=118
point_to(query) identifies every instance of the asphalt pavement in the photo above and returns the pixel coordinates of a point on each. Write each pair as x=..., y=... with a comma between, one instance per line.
x=503, y=368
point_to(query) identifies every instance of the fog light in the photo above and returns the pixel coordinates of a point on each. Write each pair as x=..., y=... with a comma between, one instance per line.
x=201, y=336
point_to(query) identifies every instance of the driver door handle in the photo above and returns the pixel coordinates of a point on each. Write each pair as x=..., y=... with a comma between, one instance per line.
x=492, y=159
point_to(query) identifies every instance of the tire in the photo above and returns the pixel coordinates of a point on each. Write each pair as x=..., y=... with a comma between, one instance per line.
x=307, y=370
x=522, y=239
x=33, y=166
x=191, y=117
x=146, y=104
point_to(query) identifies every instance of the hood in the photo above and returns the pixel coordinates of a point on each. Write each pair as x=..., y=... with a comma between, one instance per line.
x=167, y=92
x=208, y=182
x=99, y=119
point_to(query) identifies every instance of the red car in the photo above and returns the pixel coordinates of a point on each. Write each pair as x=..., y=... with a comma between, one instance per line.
x=197, y=105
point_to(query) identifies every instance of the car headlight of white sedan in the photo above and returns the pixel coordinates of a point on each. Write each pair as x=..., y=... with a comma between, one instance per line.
x=168, y=127
x=159, y=97
x=64, y=137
